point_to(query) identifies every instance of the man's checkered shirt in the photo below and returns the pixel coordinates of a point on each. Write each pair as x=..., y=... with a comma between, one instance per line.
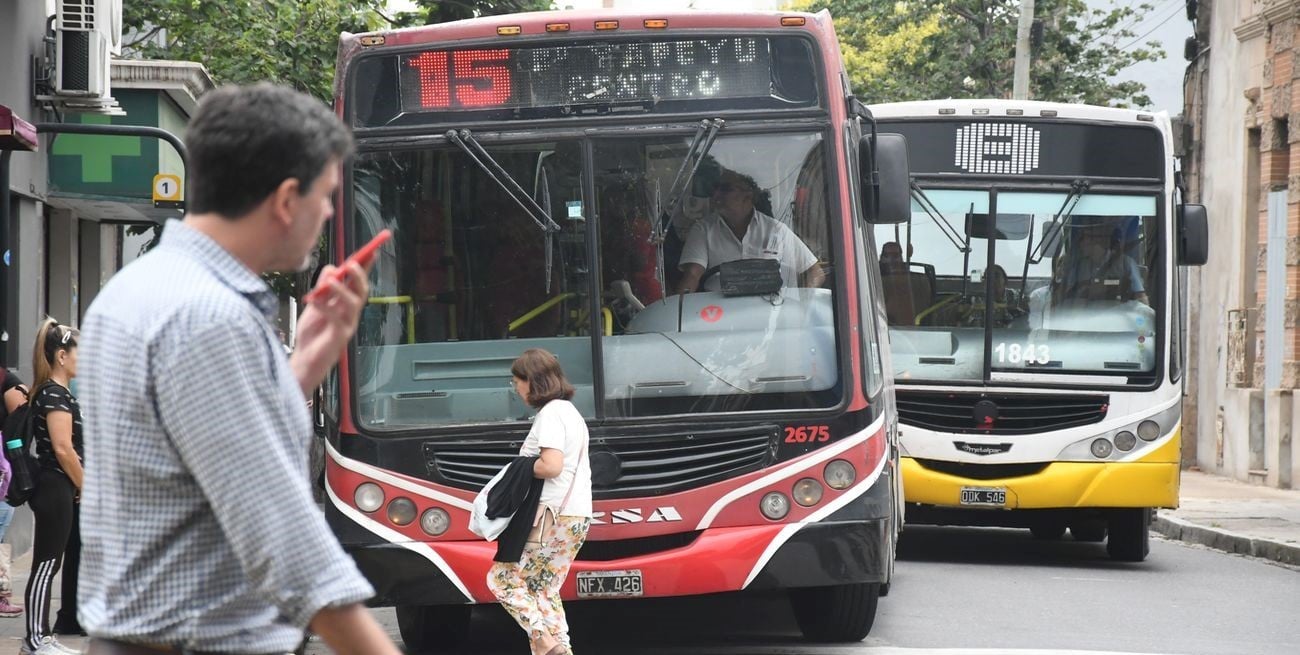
x=197, y=517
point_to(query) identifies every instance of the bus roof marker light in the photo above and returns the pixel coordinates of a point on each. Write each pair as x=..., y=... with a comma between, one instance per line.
x=557, y=27
x=980, y=111
x=947, y=111
x=1101, y=448
x=774, y=505
x=606, y=24
x=793, y=21
x=1146, y=118
x=1149, y=430
x=368, y=497
x=655, y=23
x=509, y=30
x=1047, y=113
x=1015, y=112
x=372, y=39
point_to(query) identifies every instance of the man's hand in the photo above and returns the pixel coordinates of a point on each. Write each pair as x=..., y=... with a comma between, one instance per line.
x=690, y=282
x=351, y=630
x=326, y=325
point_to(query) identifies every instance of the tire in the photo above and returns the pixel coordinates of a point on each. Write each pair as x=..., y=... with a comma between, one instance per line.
x=1048, y=531
x=1088, y=531
x=842, y=613
x=1130, y=535
x=433, y=629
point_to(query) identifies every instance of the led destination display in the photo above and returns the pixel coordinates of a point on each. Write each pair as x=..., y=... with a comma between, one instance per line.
x=544, y=79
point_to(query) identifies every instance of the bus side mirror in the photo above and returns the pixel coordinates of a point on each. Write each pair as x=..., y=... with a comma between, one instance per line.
x=886, y=195
x=1193, y=235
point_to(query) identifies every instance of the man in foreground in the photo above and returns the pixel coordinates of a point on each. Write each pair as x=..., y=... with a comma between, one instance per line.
x=200, y=534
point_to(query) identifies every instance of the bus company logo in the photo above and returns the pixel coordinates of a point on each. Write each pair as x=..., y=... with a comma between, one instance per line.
x=636, y=515
x=998, y=148
x=982, y=449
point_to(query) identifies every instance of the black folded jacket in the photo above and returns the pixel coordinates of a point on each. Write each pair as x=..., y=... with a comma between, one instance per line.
x=516, y=494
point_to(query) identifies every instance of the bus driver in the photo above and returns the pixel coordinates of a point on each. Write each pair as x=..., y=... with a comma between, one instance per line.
x=737, y=230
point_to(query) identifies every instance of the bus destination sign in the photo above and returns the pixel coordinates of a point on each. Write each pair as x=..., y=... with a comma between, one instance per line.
x=586, y=74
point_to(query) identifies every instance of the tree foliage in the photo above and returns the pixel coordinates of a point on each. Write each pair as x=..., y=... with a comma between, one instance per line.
x=918, y=49
x=293, y=42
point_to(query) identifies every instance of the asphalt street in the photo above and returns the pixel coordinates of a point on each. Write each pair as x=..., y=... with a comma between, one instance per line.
x=971, y=591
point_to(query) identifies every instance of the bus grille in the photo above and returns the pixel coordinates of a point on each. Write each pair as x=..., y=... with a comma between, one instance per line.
x=631, y=463
x=604, y=551
x=967, y=413
x=983, y=471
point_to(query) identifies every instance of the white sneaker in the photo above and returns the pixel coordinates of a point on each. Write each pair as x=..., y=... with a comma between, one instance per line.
x=49, y=646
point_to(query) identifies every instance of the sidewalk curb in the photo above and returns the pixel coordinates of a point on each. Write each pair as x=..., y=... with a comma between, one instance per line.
x=1232, y=542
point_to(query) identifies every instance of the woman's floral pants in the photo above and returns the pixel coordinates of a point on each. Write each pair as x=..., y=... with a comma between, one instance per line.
x=530, y=589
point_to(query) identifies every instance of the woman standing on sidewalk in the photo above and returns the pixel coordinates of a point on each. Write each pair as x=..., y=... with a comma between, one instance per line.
x=57, y=435
x=529, y=589
x=14, y=394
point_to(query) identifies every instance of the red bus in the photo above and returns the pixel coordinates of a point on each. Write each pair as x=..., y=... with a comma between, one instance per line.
x=543, y=174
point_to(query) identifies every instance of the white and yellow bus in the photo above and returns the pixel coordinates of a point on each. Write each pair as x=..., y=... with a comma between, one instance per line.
x=1036, y=316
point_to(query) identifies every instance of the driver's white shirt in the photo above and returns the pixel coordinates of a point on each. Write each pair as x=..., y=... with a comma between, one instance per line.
x=711, y=242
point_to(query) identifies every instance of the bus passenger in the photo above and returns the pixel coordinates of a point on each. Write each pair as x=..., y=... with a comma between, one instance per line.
x=736, y=230
x=529, y=588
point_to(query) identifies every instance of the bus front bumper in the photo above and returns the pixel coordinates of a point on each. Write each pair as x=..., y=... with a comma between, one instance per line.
x=851, y=545
x=1061, y=485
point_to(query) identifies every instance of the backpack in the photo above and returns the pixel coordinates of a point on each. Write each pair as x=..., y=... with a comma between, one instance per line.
x=20, y=424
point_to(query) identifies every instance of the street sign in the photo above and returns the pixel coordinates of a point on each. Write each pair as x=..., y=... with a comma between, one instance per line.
x=167, y=191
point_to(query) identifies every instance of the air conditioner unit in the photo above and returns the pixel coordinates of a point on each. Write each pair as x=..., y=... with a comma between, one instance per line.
x=87, y=33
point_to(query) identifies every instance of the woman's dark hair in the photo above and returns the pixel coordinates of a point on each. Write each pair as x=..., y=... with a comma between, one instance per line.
x=541, y=370
x=50, y=339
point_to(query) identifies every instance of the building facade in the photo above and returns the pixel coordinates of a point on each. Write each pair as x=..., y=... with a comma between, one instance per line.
x=1243, y=163
x=77, y=200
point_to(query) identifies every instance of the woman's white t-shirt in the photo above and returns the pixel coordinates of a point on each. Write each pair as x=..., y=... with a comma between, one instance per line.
x=560, y=425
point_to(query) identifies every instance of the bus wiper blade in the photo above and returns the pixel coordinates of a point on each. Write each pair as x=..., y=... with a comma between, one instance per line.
x=1050, y=234
x=465, y=140
x=695, y=154
x=937, y=216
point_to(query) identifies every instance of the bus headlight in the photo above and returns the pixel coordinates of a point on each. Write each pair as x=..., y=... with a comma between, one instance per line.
x=1101, y=448
x=368, y=497
x=807, y=492
x=401, y=511
x=840, y=474
x=1125, y=441
x=435, y=521
x=1149, y=430
x=774, y=506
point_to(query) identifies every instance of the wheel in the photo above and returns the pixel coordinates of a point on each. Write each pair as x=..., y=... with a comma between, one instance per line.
x=1090, y=531
x=433, y=629
x=1130, y=535
x=841, y=613
x=1048, y=531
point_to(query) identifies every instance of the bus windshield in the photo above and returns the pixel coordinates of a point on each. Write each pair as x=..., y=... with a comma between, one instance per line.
x=1074, y=295
x=465, y=288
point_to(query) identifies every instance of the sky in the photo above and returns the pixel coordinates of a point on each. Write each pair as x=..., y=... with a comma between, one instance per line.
x=1167, y=24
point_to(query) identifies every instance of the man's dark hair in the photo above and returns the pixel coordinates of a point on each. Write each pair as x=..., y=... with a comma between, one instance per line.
x=244, y=141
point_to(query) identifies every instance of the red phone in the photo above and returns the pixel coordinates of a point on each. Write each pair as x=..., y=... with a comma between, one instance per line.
x=362, y=257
